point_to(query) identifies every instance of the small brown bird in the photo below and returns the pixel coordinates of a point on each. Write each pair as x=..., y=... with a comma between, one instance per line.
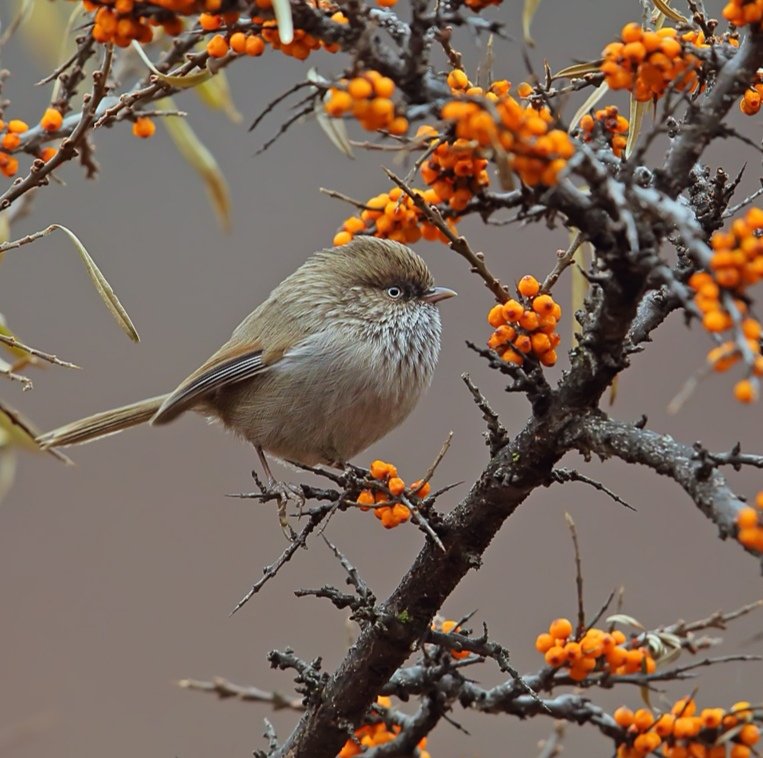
x=335, y=358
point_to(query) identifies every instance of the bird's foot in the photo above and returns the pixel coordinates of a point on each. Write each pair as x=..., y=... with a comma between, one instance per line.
x=284, y=493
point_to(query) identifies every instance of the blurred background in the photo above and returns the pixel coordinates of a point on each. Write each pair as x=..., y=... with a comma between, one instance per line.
x=117, y=575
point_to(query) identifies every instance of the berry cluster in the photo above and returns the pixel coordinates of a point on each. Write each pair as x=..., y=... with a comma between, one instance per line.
x=392, y=215
x=685, y=734
x=11, y=139
x=121, y=21
x=609, y=124
x=595, y=651
x=447, y=626
x=377, y=733
x=736, y=263
x=369, y=98
x=253, y=43
x=385, y=500
x=741, y=12
x=750, y=523
x=494, y=120
x=526, y=326
x=456, y=171
x=647, y=62
x=751, y=100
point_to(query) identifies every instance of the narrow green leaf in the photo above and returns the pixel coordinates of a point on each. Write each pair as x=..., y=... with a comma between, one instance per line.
x=528, y=12
x=101, y=285
x=197, y=156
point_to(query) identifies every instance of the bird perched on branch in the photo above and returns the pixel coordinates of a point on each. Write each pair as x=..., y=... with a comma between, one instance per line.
x=336, y=357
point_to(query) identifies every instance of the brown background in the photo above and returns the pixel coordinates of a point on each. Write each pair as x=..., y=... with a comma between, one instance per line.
x=117, y=575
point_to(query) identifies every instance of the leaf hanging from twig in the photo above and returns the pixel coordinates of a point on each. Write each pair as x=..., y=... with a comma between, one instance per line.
x=528, y=12
x=198, y=157
x=282, y=10
x=101, y=285
x=178, y=82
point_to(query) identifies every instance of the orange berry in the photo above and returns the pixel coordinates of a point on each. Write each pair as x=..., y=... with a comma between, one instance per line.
x=420, y=489
x=555, y=656
x=495, y=317
x=341, y=238
x=10, y=141
x=749, y=735
x=560, y=628
x=143, y=127
x=512, y=356
x=528, y=286
x=549, y=358
x=47, y=153
x=457, y=79
x=382, y=470
x=360, y=88
x=512, y=310
x=51, y=120
x=623, y=716
x=384, y=87
x=740, y=751
x=664, y=724
x=684, y=707
x=643, y=719
x=544, y=642
x=396, y=485
x=747, y=518
x=217, y=47
x=255, y=46
x=543, y=305
x=712, y=717
x=745, y=391
x=646, y=743
x=238, y=42
x=17, y=126
x=365, y=499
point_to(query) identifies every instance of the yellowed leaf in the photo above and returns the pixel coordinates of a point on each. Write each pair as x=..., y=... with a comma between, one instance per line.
x=197, y=156
x=107, y=294
x=589, y=103
x=577, y=70
x=215, y=93
x=185, y=81
x=528, y=12
x=671, y=13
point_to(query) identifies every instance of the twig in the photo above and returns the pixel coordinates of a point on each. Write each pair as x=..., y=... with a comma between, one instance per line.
x=315, y=516
x=564, y=259
x=578, y=576
x=570, y=475
x=14, y=343
x=225, y=690
x=497, y=434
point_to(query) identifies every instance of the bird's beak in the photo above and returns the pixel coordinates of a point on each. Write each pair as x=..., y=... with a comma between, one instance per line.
x=438, y=293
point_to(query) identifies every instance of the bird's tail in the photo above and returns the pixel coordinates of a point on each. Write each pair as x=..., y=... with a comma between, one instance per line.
x=101, y=424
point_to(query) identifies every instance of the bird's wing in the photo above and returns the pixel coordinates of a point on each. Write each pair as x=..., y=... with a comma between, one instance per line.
x=231, y=364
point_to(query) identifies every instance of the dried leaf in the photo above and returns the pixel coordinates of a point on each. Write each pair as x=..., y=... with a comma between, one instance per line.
x=17, y=431
x=201, y=161
x=623, y=618
x=333, y=128
x=635, y=119
x=101, y=284
x=580, y=262
x=663, y=7
x=178, y=82
x=589, y=103
x=577, y=70
x=215, y=93
x=528, y=12
x=282, y=10
x=65, y=48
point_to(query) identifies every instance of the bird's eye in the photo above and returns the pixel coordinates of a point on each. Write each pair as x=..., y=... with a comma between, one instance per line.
x=395, y=292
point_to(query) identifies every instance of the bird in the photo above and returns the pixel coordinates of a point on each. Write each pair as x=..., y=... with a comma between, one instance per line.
x=336, y=357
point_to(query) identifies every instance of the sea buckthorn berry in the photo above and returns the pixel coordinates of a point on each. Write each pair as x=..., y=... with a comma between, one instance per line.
x=217, y=47
x=365, y=499
x=238, y=42
x=143, y=127
x=663, y=726
x=749, y=735
x=528, y=286
x=646, y=743
x=684, y=707
x=543, y=305
x=396, y=486
x=643, y=718
x=458, y=80
x=747, y=517
x=544, y=642
x=495, y=317
x=512, y=310
x=255, y=46
x=10, y=141
x=382, y=470
x=740, y=751
x=745, y=391
x=560, y=628
x=47, y=153
x=17, y=126
x=449, y=626
x=555, y=656
x=420, y=489
x=712, y=717
x=51, y=120
x=210, y=22
x=623, y=716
